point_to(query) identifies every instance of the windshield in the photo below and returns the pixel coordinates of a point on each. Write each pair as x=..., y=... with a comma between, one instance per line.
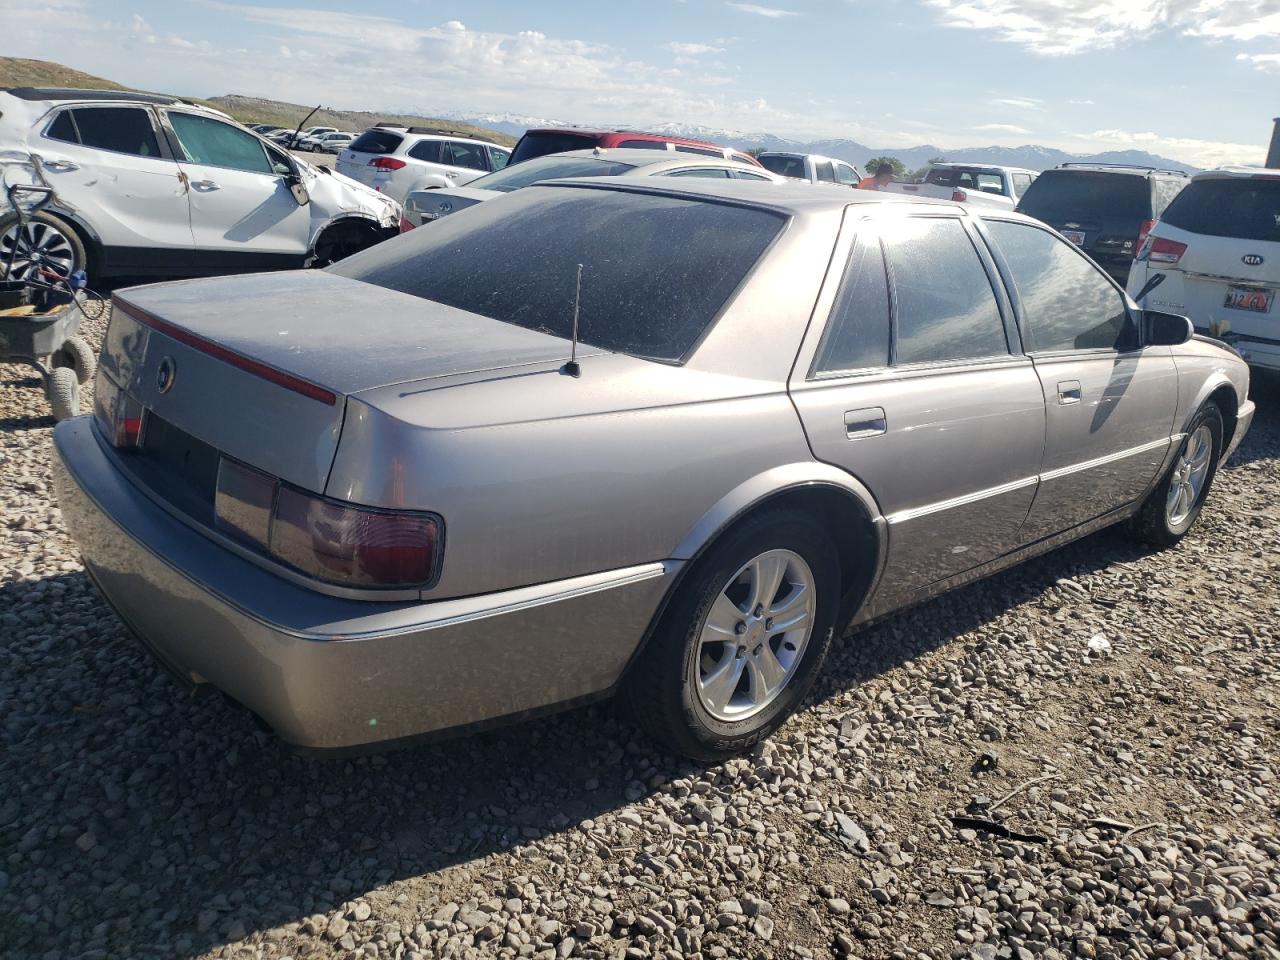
x=783, y=166
x=537, y=143
x=1080, y=195
x=549, y=168
x=1247, y=209
x=656, y=269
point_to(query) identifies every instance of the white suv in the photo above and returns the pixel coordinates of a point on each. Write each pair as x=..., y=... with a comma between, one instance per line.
x=149, y=185
x=399, y=160
x=1218, y=246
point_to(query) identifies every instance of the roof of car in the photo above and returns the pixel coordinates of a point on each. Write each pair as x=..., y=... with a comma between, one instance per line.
x=1228, y=173
x=594, y=132
x=952, y=164
x=1123, y=168
x=433, y=133
x=638, y=156
x=73, y=93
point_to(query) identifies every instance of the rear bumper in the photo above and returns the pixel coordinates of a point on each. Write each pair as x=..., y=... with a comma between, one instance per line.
x=1260, y=352
x=329, y=673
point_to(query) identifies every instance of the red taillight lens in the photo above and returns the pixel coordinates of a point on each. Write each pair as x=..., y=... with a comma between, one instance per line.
x=959, y=196
x=1160, y=250
x=356, y=546
x=405, y=224
x=117, y=413
x=386, y=163
x=1143, y=230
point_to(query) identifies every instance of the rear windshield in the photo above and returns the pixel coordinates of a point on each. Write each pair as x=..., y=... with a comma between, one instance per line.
x=1080, y=194
x=377, y=141
x=784, y=166
x=549, y=168
x=539, y=144
x=1245, y=209
x=656, y=270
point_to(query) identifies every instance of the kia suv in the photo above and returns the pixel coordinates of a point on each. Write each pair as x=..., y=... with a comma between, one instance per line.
x=399, y=160
x=1106, y=210
x=540, y=142
x=1218, y=246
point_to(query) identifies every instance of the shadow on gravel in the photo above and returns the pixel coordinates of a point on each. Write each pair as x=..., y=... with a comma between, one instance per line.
x=170, y=826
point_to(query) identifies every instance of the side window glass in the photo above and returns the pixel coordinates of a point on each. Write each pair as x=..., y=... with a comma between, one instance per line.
x=712, y=172
x=746, y=175
x=500, y=158
x=946, y=309
x=857, y=335
x=468, y=155
x=846, y=174
x=1021, y=182
x=990, y=183
x=825, y=173
x=1067, y=304
x=63, y=128
x=427, y=151
x=118, y=129
x=218, y=144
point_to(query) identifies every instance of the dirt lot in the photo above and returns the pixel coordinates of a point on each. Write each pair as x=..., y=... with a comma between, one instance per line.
x=137, y=823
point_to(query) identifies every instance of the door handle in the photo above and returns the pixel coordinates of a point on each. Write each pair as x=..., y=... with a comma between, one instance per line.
x=206, y=185
x=867, y=422
x=61, y=166
x=451, y=174
x=1068, y=391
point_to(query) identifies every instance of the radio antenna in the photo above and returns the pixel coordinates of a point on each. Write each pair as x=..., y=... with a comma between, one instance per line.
x=571, y=368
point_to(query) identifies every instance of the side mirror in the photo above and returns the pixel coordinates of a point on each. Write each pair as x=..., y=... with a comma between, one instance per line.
x=299, y=189
x=1166, y=329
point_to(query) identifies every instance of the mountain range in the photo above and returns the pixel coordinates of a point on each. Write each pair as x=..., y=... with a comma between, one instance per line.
x=1029, y=156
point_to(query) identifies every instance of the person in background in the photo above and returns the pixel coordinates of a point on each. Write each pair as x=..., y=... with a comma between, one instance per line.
x=879, y=180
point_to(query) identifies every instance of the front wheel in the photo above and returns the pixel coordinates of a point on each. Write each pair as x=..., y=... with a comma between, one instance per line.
x=1175, y=504
x=42, y=241
x=742, y=641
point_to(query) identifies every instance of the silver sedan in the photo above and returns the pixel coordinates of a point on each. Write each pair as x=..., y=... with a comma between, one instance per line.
x=670, y=442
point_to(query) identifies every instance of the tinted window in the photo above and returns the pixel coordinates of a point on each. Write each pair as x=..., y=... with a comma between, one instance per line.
x=468, y=155
x=825, y=172
x=499, y=158
x=701, y=151
x=119, y=129
x=1248, y=209
x=711, y=172
x=941, y=177
x=1067, y=304
x=857, y=335
x=218, y=144
x=540, y=143
x=946, y=309
x=428, y=151
x=656, y=269
x=549, y=168
x=377, y=141
x=644, y=144
x=784, y=166
x=1077, y=194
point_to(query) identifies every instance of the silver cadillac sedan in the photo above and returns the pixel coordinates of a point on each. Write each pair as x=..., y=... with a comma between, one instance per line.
x=659, y=439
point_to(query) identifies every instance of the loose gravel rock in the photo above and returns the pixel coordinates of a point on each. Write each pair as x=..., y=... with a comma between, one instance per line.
x=884, y=821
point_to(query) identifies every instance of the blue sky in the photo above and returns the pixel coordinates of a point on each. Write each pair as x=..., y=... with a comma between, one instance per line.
x=1197, y=80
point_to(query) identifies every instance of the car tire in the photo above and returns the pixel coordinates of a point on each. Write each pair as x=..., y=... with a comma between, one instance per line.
x=63, y=391
x=709, y=688
x=52, y=237
x=1174, y=505
x=77, y=355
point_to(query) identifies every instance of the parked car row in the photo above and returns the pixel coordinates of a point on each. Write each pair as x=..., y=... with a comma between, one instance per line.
x=311, y=140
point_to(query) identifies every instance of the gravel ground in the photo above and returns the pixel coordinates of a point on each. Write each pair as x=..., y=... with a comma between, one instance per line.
x=969, y=779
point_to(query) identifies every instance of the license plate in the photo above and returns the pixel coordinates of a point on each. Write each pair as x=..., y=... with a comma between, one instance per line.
x=1075, y=236
x=1250, y=298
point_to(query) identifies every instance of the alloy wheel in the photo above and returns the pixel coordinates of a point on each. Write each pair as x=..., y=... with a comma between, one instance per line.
x=1189, y=475
x=34, y=245
x=754, y=635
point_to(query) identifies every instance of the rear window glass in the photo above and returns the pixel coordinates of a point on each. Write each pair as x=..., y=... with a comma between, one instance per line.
x=1080, y=194
x=119, y=129
x=539, y=144
x=655, y=269
x=549, y=168
x=644, y=144
x=784, y=166
x=1245, y=209
x=377, y=141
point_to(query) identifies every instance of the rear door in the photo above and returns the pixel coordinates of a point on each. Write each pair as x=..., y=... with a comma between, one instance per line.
x=241, y=203
x=1110, y=400
x=111, y=164
x=463, y=161
x=912, y=386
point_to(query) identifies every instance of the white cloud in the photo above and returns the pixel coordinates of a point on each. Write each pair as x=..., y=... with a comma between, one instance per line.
x=772, y=13
x=1201, y=153
x=1003, y=128
x=692, y=49
x=1269, y=62
x=1237, y=19
x=1022, y=103
x=1081, y=103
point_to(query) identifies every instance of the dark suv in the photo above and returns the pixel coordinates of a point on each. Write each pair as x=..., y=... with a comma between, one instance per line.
x=1105, y=209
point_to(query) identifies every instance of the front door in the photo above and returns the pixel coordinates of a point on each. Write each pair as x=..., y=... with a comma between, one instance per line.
x=1110, y=400
x=917, y=388
x=241, y=204
x=110, y=165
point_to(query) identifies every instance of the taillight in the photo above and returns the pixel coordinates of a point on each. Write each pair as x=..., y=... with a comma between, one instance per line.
x=118, y=414
x=386, y=163
x=959, y=196
x=405, y=224
x=326, y=539
x=1160, y=250
x=1143, y=230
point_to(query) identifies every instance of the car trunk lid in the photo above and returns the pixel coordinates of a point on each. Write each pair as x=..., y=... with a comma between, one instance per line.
x=259, y=367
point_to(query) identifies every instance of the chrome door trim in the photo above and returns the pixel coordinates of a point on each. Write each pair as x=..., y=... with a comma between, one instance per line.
x=1111, y=458
x=916, y=512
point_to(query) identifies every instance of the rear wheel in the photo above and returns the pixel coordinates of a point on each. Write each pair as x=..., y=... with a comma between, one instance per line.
x=742, y=641
x=43, y=241
x=1175, y=504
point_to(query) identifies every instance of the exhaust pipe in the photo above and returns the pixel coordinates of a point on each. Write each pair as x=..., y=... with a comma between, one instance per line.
x=1273, y=155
